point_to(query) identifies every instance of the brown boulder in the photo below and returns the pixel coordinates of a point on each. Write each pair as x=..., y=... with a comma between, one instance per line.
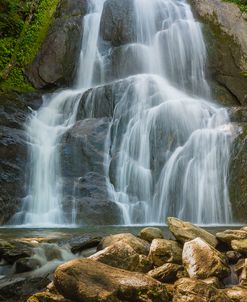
x=150, y=233
x=236, y=293
x=203, y=261
x=229, y=235
x=185, y=231
x=91, y=281
x=163, y=251
x=240, y=246
x=168, y=272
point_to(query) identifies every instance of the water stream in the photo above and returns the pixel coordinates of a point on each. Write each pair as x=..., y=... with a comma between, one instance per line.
x=168, y=141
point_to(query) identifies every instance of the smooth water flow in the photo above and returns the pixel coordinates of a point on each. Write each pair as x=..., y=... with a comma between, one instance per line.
x=167, y=148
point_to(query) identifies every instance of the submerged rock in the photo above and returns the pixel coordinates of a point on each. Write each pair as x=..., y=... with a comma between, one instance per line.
x=186, y=231
x=203, y=261
x=163, y=251
x=191, y=290
x=92, y=281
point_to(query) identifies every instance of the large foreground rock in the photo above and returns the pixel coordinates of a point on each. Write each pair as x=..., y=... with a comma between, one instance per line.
x=185, y=231
x=55, y=64
x=228, y=235
x=87, y=280
x=203, y=261
x=227, y=44
x=236, y=293
x=191, y=290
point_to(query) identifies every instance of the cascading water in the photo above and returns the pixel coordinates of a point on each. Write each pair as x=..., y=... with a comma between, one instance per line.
x=167, y=148
x=171, y=146
x=42, y=205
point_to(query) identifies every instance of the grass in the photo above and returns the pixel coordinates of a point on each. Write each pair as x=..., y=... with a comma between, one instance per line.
x=20, y=42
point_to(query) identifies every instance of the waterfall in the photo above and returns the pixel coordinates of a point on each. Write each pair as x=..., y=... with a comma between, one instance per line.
x=42, y=206
x=168, y=143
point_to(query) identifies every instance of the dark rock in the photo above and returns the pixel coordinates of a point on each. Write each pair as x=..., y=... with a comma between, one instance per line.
x=19, y=289
x=118, y=22
x=226, y=36
x=55, y=64
x=238, y=114
x=12, y=250
x=26, y=265
x=168, y=272
x=80, y=243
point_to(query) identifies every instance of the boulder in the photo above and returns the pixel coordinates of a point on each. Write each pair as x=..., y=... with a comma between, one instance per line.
x=83, y=242
x=212, y=281
x=122, y=255
x=236, y=293
x=12, y=250
x=226, y=37
x=192, y=290
x=163, y=251
x=118, y=22
x=229, y=235
x=92, y=281
x=186, y=231
x=56, y=62
x=233, y=256
x=151, y=233
x=26, y=265
x=240, y=246
x=166, y=273
x=203, y=261
x=138, y=245
x=46, y=296
x=243, y=275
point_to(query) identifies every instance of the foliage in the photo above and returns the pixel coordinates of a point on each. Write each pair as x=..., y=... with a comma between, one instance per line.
x=23, y=27
x=242, y=4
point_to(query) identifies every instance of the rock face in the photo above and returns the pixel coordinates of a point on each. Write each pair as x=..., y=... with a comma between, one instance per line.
x=13, y=150
x=55, y=64
x=227, y=44
x=203, y=261
x=191, y=290
x=104, y=283
x=163, y=251
x=186, y=231
x=118, y=22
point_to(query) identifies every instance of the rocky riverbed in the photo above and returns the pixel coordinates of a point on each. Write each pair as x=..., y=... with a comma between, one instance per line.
x=187, y=264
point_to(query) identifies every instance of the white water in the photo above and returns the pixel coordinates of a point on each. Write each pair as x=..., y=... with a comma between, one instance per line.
x=171, y=142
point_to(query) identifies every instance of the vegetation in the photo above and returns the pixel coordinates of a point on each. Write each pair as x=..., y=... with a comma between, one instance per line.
x=23, y=26
x=242, y=4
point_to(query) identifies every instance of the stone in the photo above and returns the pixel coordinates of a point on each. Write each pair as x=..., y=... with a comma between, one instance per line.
x=233, y=256
x=92, y=281
x=163, y=251
x=203, y=261
x=170, y=290
x=151, y=233
x=12, y=250
x=138, y=245
x=117, y=23
x=240, y=246
x=166, y=273
x=186, y=231
x=229, y=235
x=212, y=281
x=47, y=297
x=192, y=290
x=226, y=37
x=26, y=265
x=55, y=64
x=243, y=275
x=122, y=255
x=236, y=293
x=83, y=242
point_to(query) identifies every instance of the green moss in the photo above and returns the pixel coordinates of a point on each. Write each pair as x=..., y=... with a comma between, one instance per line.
x=241, y=3
x=20, y=44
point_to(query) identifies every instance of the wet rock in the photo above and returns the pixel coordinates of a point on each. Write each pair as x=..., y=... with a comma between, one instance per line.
x=236, y=293
x=12, y=250
x=55, y=64
x=166, y=273
x=240, y=246
x=138, y=245
x=122, y=255
x=163, y=251
x=26, y=265
x=19, y=289
x=203, y=261
x=89, y=280
x=226, y=42
x=229, y=235
x=118, y=22
x=192, y=290
x=186, y=231
x=80, y=243
x=150, y=233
